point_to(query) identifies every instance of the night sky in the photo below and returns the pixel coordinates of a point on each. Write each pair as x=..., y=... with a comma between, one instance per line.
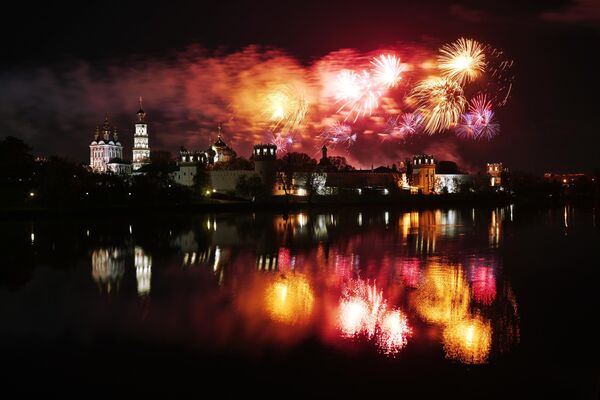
x=64, y=67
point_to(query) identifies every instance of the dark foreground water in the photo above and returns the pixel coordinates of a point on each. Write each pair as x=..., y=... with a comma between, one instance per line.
x=456, y=303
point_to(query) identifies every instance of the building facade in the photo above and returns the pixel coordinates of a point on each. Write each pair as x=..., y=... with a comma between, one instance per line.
x=141, y=147
x=494, y=172
x=106, y=152
x=423, y=173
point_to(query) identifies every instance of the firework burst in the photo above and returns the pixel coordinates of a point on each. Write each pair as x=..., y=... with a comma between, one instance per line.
x=479, y=122
x=386, y=70
x=339, y=134
x=358, y=93
x=462, y=60
x=285, y=107
x=410, y=123
x=467, y=128
x=402, y=126
x=440, y=102
x=281, y=140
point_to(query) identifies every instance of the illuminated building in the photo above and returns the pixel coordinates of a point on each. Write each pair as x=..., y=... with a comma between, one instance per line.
x=494, y=171
x=141, y=149
x=106, y=152
x=423, y=173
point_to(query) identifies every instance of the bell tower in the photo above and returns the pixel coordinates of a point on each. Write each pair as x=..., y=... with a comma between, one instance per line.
x=141, y=149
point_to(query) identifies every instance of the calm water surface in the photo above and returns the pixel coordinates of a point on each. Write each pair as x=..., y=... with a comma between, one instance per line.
x=469, y=302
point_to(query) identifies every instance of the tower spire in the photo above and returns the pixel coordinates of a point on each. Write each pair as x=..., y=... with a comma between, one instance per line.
x=219, y=129
x=141, y=115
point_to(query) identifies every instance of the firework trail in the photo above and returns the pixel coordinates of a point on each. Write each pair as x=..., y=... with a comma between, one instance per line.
x=462, y=60
x=500, y=76
x=440, y=101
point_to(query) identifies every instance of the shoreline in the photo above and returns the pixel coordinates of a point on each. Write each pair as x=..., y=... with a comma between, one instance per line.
x=414, y=202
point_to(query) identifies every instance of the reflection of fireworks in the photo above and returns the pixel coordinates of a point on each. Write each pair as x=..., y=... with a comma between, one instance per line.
x=468, y=340
x=444, y=295
x=440, y=101
x=290, y=300
x=479, y=121
x=358, y=93
x=363, y=311
x=285, y=107
x=387, y=70
x=338, y=134
x=394, y=329
x=463, y=60
x=484, y=285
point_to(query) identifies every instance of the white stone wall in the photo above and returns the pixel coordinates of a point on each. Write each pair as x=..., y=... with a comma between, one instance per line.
x=100, y=155
x=224, y=181
x=185, y=175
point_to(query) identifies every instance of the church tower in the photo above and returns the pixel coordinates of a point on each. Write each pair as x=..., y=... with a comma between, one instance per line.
x=141, y=150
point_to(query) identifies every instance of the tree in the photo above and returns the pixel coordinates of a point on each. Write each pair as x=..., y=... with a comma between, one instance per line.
x=250, y=187
x=339, y=163
x=297, y=162
x=201, y=181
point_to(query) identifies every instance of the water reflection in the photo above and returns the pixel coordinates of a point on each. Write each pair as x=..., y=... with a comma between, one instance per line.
x=143, y=270
x=468, y=340
x=289, y=299
x=108, y=268
x=377, y=280
x=364, y=311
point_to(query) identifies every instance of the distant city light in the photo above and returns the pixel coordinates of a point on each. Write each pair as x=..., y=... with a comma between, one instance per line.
x=31, y=194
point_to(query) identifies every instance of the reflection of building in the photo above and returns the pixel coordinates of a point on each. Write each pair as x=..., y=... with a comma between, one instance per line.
x=494, y=171
x=423, y=173
x=108, y=267
x=141, y=149
x=143, y=270
x=267, y=262
x=106, y=152
x=495, y=229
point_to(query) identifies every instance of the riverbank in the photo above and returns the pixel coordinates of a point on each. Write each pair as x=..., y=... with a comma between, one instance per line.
x=294, y=203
